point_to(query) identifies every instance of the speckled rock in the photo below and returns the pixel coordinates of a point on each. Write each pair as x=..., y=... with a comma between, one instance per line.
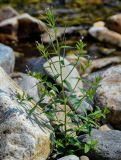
x=109, y=94
x=21, y=136
x=108, y=146
x=7, y=58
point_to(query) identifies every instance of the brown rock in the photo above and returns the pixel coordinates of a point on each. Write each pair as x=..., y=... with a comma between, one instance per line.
x=105, y=127
x=7, y=12
x=114, y=23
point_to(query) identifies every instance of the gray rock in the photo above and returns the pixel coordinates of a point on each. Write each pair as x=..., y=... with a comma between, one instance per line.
x=7, y=12
x=66, y=69
x=21, y=136
x=108, y=147
x=109, y=94
x=28, y=84
x=71, y=157
x=7, y=58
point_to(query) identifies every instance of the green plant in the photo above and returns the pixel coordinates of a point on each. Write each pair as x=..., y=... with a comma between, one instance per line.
x=66, y=138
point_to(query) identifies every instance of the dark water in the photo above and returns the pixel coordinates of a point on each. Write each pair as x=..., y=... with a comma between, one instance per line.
x=68, y=12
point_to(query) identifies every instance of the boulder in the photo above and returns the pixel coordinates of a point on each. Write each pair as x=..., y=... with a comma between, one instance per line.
x=52, y=67
x=28, y=84
x=7, y=58
x=70, y=157
x=108, y=146
x=18, y=28
x=105, y=35
x=7, y=12
x=108, y=94
x=114, y=23
x=29, y=27
x=23, y=136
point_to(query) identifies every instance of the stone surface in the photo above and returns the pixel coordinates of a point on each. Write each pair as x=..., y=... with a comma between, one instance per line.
x=7, y=58
x=67, y=67
x=84, y=158
x=7, y=12
x=105, y=35
x=22, y=136
x=29, y=27
x=108, y=147
x=106, y=127
x=28, y=84
x=71, y=157
x=18, y=28
x=109, y=94
x=97, y=64
x=114, y=23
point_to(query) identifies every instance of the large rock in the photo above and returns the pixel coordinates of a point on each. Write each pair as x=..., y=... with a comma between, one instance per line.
x=7, y=58
x=108, y=94
x=21, y=27
x=21, y=136
x=105, y=35
x=29, y=27
x=114, y=23
x=108, y=147
x=52, y=67
x=7, y=12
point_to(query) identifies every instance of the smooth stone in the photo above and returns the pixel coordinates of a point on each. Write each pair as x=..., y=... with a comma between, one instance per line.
x=105, y=127
x=22, y=136
x=7, y=12
x=18, y=28
x=114, y=23
x=108, y=94
x=84, y=158
x=100, y=63
x=7, y=58
x=103, y=34
x=108, y=146
x=70, y=157
x=28, y=84
x=66, y=69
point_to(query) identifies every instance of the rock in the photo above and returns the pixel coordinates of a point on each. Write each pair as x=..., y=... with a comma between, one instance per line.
x=105, y=127
x=66, y=69
x=70, y=157
x=27, y=32
x=84, y=158
x=7, y=12
x=97, y=64
x=105, y=35
x=108, y=146
x=28, y=84
x=22, y=136
x=61, y=31
x=35, y=64
x=99, y=24
x=114, y=23
x=8, y=30
x=7, y=58
x=109, y=94
x=18, y=28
